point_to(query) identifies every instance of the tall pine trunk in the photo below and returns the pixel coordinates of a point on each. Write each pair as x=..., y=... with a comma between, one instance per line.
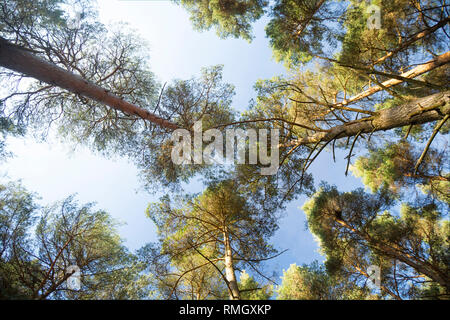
x=229, y=268
x=427, y=109
x=23, y=61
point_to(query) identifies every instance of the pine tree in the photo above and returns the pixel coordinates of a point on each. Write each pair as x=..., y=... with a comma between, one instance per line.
x=219, y=230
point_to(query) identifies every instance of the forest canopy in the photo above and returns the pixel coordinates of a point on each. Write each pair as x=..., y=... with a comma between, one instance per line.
x=365, y=81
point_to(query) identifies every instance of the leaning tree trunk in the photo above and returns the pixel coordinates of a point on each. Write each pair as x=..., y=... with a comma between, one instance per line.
x=23, y=61
x=427, y=109
x=229, y=268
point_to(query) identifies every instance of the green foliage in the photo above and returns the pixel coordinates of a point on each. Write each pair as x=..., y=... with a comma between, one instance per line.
x=392, y=166
x=312, y=282
x=207, y=99
x=251, y=290
x=7, y=128
x=65, y=234
x=299, y=29
x=193, y=233
x=384, y=166
x=115, y=58
x=228, y=17
x=356, y=230
x=17, y=215
x=361, y=45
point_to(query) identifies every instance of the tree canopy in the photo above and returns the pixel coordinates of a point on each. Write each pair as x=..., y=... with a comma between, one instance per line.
x=217, y=231
x=40, y=244
x=368, y=82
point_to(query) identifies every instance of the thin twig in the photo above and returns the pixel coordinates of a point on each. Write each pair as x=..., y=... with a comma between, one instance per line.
x=408, y=132
x=351, y=150
x=435, y=131
x=334, y=154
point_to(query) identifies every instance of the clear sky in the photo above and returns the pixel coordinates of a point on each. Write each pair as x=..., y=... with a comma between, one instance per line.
x=176, y=51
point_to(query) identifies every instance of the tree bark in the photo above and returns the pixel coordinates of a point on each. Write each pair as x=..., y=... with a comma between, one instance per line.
x=23, y=61
x=229, y=268
x=419, y=111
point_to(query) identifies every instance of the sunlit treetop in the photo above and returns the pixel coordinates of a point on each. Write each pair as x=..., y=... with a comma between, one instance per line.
x=312, y=282
x=228, y=17
x=356, y=230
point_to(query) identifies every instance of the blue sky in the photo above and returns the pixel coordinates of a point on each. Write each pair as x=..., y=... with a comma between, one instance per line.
x=54, y=170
